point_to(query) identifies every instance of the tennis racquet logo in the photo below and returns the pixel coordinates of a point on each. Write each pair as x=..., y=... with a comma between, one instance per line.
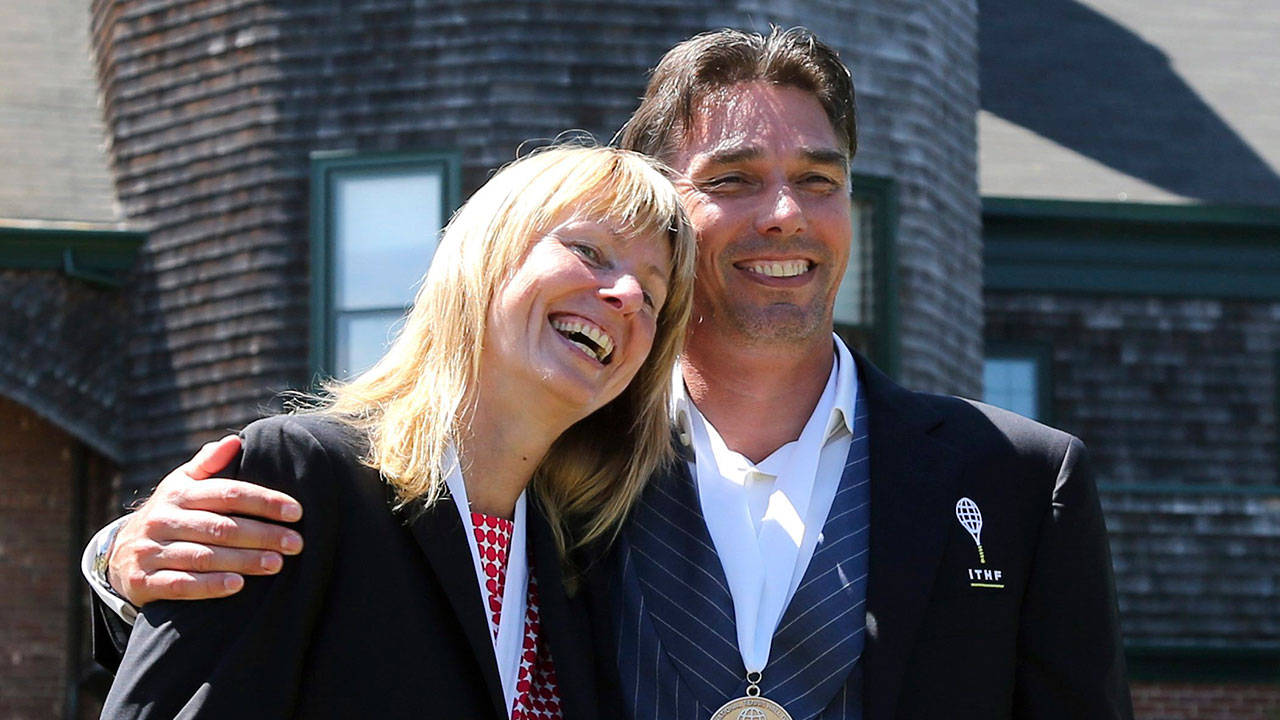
x=970, y=518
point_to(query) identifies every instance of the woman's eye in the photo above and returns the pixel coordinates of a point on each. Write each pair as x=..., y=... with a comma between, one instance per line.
x=588, y=253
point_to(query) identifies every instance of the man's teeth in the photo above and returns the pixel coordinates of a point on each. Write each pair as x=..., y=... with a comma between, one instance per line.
x=598, y=344
x=784, y=268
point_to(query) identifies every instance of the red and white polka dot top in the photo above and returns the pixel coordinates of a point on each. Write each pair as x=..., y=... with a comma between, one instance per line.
x=537, y=693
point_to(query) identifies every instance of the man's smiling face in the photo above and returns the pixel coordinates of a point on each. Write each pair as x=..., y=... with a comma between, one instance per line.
x=766, y=186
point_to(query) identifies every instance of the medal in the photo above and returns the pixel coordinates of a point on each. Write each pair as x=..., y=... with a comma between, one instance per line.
x=751, y=706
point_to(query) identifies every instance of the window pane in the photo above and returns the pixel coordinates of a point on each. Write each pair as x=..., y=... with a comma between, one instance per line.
x=385, y=226
x=361, y=339
x=1012, y=383
x=853, y=300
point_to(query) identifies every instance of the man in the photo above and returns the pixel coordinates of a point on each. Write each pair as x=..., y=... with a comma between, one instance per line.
x=834, y=545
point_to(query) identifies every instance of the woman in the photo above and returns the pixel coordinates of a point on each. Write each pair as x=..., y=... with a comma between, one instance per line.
x=538, y=352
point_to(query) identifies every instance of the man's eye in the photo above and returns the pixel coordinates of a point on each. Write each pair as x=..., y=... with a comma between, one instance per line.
x=820, y=183
x=725, y=182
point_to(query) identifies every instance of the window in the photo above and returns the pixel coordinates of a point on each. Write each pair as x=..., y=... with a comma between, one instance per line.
x=866, y=308
x=375, y=223
x=1010, y=383
x=1016, y=377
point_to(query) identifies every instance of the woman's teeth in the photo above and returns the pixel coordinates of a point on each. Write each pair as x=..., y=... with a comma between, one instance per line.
x=587, y=336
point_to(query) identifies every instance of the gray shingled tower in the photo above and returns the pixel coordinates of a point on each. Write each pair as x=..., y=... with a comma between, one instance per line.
x=214, y=108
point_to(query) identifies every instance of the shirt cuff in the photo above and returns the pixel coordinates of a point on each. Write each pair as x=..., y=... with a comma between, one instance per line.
x=117, y=604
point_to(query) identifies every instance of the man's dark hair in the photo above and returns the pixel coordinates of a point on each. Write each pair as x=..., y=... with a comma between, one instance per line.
x=709, y=62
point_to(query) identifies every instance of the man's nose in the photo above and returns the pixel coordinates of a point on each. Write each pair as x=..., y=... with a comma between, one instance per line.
x=781, y=213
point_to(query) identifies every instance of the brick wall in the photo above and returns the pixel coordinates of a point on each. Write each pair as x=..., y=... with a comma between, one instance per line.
x=35, y=518
x=38, y=504
x=1188, y=701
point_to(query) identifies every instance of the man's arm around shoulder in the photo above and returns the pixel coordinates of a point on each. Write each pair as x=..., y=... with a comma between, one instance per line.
x=194, y=538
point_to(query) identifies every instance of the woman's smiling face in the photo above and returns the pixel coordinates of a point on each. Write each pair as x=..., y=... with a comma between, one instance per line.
x=577, y=318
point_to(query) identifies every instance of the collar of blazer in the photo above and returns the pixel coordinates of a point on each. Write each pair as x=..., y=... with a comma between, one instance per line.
x=438, y=531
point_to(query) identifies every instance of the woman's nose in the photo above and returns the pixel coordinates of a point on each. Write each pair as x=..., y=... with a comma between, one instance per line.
x=625, y=293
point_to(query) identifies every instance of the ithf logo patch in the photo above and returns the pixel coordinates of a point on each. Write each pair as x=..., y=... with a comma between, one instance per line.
x=970, y=518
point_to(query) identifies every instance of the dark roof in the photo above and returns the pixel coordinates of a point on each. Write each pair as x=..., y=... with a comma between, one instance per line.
x=52, y=137
x=62, y=341
x=1148, y=100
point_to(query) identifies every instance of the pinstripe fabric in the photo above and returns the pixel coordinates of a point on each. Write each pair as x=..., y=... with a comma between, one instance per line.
x=677, y=651
x=677, y=646
x=822, y=632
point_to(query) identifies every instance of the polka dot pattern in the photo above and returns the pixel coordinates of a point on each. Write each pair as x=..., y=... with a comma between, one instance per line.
x=537, y=697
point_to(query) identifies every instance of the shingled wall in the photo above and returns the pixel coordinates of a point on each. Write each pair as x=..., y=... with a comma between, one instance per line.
x=915, y=69
x=214, y=106
x=1177, y=400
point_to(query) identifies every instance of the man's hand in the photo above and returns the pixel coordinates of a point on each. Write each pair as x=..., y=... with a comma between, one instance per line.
x=189, y=540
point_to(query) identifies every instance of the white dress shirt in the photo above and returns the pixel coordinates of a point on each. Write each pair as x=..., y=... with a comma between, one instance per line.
x=508, y=644
x=766, y=518
x=118, y=605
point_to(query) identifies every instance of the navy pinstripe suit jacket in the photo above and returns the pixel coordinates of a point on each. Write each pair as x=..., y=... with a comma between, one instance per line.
x=944, y=637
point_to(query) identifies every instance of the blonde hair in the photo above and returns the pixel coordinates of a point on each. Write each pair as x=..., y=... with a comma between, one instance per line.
x=409, y=404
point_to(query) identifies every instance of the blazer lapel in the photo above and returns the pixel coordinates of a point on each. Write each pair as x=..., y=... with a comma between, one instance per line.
x=599, y=569
x=683, y=586
x=439, y=533
x=913, y=487
x=566, y=631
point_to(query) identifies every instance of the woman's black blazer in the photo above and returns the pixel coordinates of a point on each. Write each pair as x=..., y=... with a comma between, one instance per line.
x=378, y=617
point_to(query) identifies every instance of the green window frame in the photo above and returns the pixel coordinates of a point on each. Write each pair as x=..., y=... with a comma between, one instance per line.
x=332, y=174
x=866, y=312
x=99, y=256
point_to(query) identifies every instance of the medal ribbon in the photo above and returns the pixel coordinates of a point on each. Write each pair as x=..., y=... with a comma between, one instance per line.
x=760, y=569
x=508, y=645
